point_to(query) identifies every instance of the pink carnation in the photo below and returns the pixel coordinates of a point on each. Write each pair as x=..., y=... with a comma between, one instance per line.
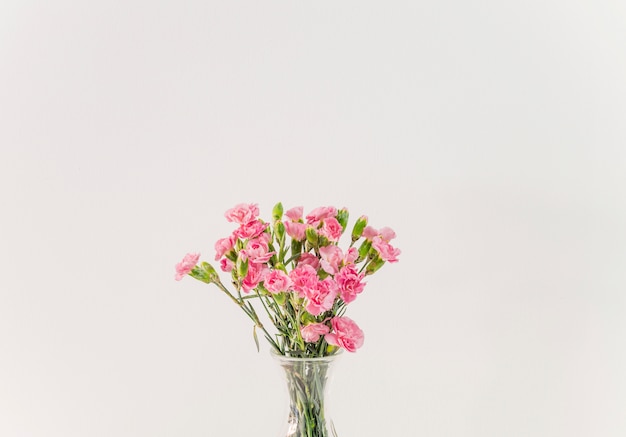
x=385, y=250
x=346, y=334
x=331, y=258
x=322, y=297
x=309, y=259
x=321, y=213
x=250, y=229
x=351, y=256
x=226, y=265
x=304, y=278
x=277, y=281
x=242, y=213
x=350, y=282
x=296, y=230
x=387, y=234
x=223, y=246
x=312, y=332
x=256, y=273
x=257, y=250
x=331, y=229
x=294, y=214
x=369, y=233
x=186, y=265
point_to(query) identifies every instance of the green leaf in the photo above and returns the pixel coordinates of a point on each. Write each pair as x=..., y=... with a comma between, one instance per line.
x=332, y=428
x=256, y=339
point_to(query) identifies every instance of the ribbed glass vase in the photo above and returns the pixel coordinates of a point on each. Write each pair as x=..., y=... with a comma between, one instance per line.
x=307, y=382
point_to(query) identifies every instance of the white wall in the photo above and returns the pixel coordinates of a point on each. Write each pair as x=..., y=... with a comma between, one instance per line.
x=490, y=135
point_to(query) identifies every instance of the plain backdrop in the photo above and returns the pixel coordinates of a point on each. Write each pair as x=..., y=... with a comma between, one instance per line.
x=490, y=135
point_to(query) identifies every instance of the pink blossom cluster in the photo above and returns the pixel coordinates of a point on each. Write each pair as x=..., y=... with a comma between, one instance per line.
x=323, y=277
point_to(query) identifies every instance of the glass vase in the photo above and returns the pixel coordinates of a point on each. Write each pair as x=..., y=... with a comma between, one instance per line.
x=307, y=381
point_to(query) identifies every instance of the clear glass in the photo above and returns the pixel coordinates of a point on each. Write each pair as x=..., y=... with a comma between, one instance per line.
x=307, y=382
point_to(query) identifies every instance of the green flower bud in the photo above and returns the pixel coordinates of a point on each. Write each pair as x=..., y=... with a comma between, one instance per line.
x=280, y=266
x=241, y=267
x=296, y=247
x=312, y=237
x=280, y=298
x=331, y=349
x=262, y=289
x=279, y=232
x=364, y=249
x=342, y=218
x=210, y=271
x=374, y=265
x=307, y=318
x=277, y=212
x=359, y=226
x=205, y=273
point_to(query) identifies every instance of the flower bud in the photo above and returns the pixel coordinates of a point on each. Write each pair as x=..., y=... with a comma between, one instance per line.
x=360, y=224
x=209, y=270
x=242, y=267
x=296, y=247
x=205, y=273
x=307, y=318
x=364, y=249
x=374, y=265
x=277, y=212
x=280, y=298
x=279, y=232
x=342, y=218
x=311, y=236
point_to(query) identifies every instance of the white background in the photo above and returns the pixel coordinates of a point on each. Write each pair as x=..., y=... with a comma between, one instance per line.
x=489, y=134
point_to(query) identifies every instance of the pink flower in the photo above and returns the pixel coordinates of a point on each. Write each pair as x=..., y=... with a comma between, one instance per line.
x=294, y=214
x=322, y=297
x=387, y=234
x=250, y=229
x=226, y=265
x=331, y=229
x=277, y=281
x=256, y=273
x=296, y=230
x=369, y=233
x=257, y=250
x=346, y=334
x=304, y=278
x=385, y=250
x=186, y=265
x=350, y=282
x=223, y=246
x=321, y=213
x=242, y=213
x=312, y=332
x=309, y=259
x=351, y=256
x=331, y=258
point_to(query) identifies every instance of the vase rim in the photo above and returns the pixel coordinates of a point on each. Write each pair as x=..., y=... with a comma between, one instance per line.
x=278, y=356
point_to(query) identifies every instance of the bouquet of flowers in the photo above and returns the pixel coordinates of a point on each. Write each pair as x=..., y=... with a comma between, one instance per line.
x=293, y=272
